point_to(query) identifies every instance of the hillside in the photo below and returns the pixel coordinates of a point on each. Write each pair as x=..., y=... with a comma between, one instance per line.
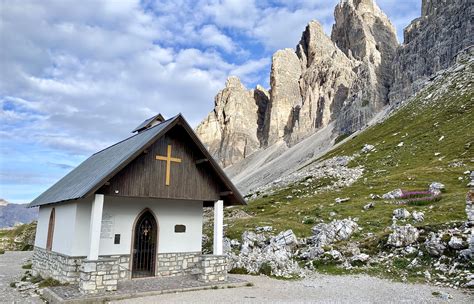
x=18, y=238
x=430, y=138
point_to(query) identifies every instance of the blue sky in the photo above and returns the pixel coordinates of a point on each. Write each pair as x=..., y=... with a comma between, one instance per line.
x=75, y=78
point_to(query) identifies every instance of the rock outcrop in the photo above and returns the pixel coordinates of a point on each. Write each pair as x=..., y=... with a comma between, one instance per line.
x=233, y=129
x=342, y=80
x=431, y=43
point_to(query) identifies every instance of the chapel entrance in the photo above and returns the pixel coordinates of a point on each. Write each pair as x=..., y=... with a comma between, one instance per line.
x=144, y=246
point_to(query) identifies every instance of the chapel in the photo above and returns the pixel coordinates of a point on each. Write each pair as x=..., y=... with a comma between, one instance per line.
x=135, y=210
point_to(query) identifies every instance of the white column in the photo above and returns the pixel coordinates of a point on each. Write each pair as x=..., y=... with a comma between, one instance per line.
x=218, y=226
x=95, y=226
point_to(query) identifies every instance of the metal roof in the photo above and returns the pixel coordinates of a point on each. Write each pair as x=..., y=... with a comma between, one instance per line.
x=85, y=177
x=95, y=171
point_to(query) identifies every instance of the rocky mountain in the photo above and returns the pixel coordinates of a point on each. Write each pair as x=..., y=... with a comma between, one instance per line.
x=331, y=86
x=431, y=43
x=12, y=214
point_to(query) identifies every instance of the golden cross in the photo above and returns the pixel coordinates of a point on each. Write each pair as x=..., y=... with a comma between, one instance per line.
x=168, y=160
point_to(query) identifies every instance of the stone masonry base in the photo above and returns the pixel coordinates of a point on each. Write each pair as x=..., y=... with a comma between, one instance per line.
x=213, y=268
x=99, y=275
x=103, y=274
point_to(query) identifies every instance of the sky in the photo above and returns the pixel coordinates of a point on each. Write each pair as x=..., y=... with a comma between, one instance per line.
x=76, y=77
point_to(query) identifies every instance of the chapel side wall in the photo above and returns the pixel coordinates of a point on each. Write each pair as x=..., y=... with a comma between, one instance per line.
x=123, y=211
x=64, y=227
x=82, y=223
x=42, y=226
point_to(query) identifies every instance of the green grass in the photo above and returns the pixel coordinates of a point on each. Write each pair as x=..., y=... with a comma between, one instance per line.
x=413, y=166
x=25, y=233
x=27, y=266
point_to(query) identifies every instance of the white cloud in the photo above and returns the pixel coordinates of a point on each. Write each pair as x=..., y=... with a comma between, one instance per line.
x=77, y=77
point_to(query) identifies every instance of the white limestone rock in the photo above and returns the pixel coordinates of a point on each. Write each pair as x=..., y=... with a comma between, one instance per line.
x=401, y=214
x=434, y=245
x=456, y=243
x=403, y=236
x=418, y=216
x=397, y=193
x=337, y=230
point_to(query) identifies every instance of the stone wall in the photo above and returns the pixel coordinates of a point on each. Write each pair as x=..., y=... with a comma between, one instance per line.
x=103, y=274
x=99, y=275
x=66, y=269
x=213, y=268
x=178, y=263
x=55, y=265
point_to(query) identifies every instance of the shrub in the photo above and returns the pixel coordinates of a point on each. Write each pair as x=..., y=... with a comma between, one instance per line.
x=238, y=270
x=265, y=269
x=49, y=282
x=2, y=251
x=341, y=137
x=27, y=266
x=36, y=279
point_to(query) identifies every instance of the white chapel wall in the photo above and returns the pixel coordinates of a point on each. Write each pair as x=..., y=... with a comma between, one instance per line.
x=64, y=228
x=120, y=213
x=82, y=222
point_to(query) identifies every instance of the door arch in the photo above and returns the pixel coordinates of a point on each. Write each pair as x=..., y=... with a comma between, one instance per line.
x=51, y=224
x=145, y=241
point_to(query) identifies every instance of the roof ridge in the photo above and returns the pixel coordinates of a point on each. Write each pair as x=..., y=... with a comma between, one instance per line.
x=125, y=139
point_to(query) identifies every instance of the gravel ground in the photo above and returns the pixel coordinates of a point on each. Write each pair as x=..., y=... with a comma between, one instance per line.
x=10, y=270
x=315, y=289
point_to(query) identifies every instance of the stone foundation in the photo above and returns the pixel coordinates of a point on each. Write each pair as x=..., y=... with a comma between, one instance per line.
x=99, y=275
x=213, y=268
x=178, y=263
x=66, y=269
x=55, y=265
x=103, y=274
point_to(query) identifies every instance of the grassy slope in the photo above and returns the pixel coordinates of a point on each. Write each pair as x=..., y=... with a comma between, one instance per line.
x=413, y=166
x=24, y=234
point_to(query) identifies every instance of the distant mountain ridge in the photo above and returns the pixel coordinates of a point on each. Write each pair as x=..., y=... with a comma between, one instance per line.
x=332, y=86
x=13, y=214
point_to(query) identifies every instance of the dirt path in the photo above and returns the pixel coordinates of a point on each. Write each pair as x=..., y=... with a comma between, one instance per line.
x=316, y=289
x=10, y=270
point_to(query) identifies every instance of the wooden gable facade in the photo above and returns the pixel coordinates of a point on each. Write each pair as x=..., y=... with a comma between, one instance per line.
x=191, y=174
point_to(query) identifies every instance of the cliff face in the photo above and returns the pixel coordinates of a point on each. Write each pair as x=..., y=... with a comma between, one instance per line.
x=344, y=79
x=233, y=130
x=431, y=43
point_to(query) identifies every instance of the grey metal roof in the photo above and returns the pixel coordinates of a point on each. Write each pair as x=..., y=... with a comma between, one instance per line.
x=146, y=122
x=92, y=172
x=95, y=171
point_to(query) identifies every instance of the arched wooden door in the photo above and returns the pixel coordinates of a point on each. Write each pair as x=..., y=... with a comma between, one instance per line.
x=144, y=245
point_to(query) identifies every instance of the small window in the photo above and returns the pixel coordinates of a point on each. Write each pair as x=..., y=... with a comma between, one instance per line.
x=180, y=228
x=117, y=239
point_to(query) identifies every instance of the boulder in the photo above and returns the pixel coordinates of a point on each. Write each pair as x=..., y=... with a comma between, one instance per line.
x=436, y=188
x=264, y=229
x=369, y=206
x=401, y=214
x=403, y=236
x=360, y=259
x=418, y=216
x=397, y=193
x=337, y=230
x=456, y=243
x=341, y=200
x=285, y=238
x=367, y=148
x=434, y=245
